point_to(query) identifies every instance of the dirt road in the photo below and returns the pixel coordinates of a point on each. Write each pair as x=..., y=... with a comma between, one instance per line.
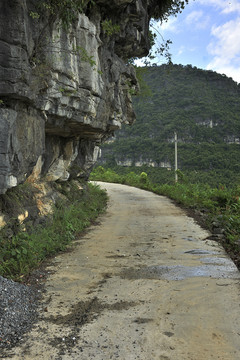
x=144, y=284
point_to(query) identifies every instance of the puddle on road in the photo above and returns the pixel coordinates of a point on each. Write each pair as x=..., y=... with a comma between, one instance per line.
x=190, y=239
x=216, y=261
x=200, y=252
x=224, y=270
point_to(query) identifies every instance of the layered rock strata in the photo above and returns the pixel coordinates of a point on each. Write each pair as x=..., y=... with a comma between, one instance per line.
x=64, y=91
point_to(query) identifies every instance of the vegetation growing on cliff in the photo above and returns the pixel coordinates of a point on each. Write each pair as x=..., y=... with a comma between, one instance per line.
x=66, y=11
x=162, y=9
x=24, y=248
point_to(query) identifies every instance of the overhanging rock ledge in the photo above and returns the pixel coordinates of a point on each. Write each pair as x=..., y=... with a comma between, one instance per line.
x=64, y=92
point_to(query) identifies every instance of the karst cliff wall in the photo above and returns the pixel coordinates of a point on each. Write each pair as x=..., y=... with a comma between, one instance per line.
x=62, y=92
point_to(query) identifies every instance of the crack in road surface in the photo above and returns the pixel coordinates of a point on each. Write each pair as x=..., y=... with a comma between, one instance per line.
x=144, y=284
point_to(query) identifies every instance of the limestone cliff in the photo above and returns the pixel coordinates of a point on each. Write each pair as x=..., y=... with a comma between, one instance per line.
x=63, y=92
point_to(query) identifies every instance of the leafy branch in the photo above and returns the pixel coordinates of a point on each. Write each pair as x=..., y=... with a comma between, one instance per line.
x=66, y=11
x=161, y=10
x=109, y=28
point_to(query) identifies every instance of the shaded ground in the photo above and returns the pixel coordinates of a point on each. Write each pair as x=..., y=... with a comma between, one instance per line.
x=145, y=284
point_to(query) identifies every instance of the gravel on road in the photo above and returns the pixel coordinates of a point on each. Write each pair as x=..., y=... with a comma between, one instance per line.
x=18, y=311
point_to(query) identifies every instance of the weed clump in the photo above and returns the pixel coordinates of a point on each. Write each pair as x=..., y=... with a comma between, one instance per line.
x=21, y=251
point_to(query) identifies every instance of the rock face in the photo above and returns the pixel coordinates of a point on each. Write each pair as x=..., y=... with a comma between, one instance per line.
x=64, y=92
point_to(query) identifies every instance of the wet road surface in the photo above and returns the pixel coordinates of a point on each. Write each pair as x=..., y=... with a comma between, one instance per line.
x=144, y=284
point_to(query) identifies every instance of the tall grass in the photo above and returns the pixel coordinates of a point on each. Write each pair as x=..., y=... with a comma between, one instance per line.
x=20, y=253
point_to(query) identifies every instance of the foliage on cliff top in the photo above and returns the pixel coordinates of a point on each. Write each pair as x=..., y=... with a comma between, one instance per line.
x=162, y=9
x=66, y=10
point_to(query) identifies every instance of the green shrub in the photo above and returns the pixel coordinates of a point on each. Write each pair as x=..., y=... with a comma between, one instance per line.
x=143, y=178
x=26, y=250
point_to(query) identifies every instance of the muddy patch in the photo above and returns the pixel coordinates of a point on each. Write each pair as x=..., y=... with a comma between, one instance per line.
x=82, y=313
x=65, y=343
x=179, y=272
x=168, y=333
x=117, y=256
x=98, y=286
x=86, y=311
x=142, y=320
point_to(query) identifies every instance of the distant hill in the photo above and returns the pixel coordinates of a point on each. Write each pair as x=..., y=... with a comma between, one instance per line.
x=203, y=107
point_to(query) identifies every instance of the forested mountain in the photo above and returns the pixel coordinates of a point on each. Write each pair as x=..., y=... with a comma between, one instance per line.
x=203, y=107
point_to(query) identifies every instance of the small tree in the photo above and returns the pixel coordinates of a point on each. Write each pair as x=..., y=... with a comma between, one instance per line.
x=143, y=178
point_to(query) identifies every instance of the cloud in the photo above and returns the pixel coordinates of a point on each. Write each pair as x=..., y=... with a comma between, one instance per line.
x=169, y=25
x=226, y=6
x=194, y=16
x=198, y=19
x=230, y=71
x=230, y=6
x=225, y=48
x=181, y=50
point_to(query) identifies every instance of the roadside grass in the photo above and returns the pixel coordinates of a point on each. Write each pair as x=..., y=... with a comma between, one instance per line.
x=218, y=205
x=24, y=251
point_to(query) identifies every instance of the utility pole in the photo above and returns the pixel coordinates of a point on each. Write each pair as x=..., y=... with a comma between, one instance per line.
x=176, y=157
